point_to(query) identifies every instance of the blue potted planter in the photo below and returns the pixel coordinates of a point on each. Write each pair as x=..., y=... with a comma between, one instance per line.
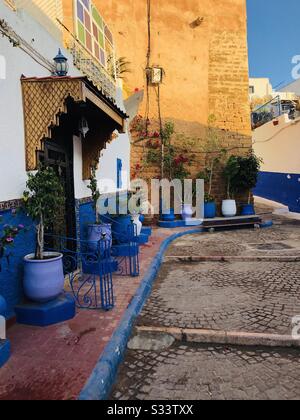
x=43, y=279
x=210, y=210
x=98, y=232
x=248, y=210
x=120, y=226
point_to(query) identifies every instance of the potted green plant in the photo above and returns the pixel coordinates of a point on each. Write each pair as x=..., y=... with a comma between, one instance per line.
x=229, y=208
x=97, y=230
x=215, y=154
x=246, y=179
x=43, y=271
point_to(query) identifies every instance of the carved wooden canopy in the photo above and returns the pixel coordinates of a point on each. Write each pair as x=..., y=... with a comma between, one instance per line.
x=45, y=100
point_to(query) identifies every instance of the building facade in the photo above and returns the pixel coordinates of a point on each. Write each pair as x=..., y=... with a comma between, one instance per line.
x=41, y=119
x=261, y=90
x=202, y=48
x=277, y=142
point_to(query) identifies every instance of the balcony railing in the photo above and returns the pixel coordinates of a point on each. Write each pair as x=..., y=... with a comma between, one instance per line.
x=273, y=109
x=266, y=113
x=104, y=79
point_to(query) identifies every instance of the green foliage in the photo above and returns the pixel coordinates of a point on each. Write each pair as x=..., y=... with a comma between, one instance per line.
x=208, y=198
x=247, y=176
x=231, y=171
x=122, y=67
x=167, y=132
x=93, y=186
x=214, y=151
x=43, y=197
x=153, y=156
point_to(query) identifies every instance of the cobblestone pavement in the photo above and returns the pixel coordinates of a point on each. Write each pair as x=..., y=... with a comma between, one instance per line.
x=253, y=296
x=282, y=240
x=191, y=372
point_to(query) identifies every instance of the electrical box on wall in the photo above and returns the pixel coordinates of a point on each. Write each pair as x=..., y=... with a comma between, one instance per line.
x=155, y=75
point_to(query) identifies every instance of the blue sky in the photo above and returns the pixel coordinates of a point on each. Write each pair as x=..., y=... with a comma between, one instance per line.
x=273, y=38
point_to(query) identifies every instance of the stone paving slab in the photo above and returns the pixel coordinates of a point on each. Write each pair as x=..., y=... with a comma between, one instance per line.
x=259, y=297
x=201, y=372
x=281, y=240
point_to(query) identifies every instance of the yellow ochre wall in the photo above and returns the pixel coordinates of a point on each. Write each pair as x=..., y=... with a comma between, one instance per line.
x=206, y=67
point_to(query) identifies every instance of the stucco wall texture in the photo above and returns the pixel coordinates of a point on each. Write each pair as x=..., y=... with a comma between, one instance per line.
x=206, y=66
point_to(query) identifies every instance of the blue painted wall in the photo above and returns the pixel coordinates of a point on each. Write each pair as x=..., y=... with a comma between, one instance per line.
x=12, y=273
x=11, y=276
x=85, y=217
x=280, y=187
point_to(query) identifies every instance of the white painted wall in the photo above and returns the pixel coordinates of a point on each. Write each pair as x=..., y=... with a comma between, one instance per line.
x=279, y=145
x=107, y=172
x=263, y=88
x=12, y=143
x=293, y=87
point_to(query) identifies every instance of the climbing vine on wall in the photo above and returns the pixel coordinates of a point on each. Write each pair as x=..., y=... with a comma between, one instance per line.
x=177, y=157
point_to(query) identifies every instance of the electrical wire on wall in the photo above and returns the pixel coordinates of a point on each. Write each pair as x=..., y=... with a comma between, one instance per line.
x=148, y=66
x=18, y=42
x=148, y=72
x=161, y=129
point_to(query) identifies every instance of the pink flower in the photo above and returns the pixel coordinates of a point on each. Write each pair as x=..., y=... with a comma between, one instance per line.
x=9, y=240
x=21, y=226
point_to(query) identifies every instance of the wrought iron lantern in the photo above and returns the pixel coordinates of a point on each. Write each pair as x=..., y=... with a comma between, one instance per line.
x=83, y=127
x=61, y=64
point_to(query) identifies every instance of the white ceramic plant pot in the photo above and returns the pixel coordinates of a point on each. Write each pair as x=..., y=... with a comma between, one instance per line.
x=137, y=223
x=187, y=211
x=229, y=208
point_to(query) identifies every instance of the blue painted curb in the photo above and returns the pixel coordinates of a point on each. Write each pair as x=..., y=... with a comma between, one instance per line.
x=104, y=374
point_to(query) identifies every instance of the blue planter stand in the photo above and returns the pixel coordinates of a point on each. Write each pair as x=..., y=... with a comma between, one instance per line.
x=4, y=352
x=45, y=314
x=147, y=231
x=170, y=217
